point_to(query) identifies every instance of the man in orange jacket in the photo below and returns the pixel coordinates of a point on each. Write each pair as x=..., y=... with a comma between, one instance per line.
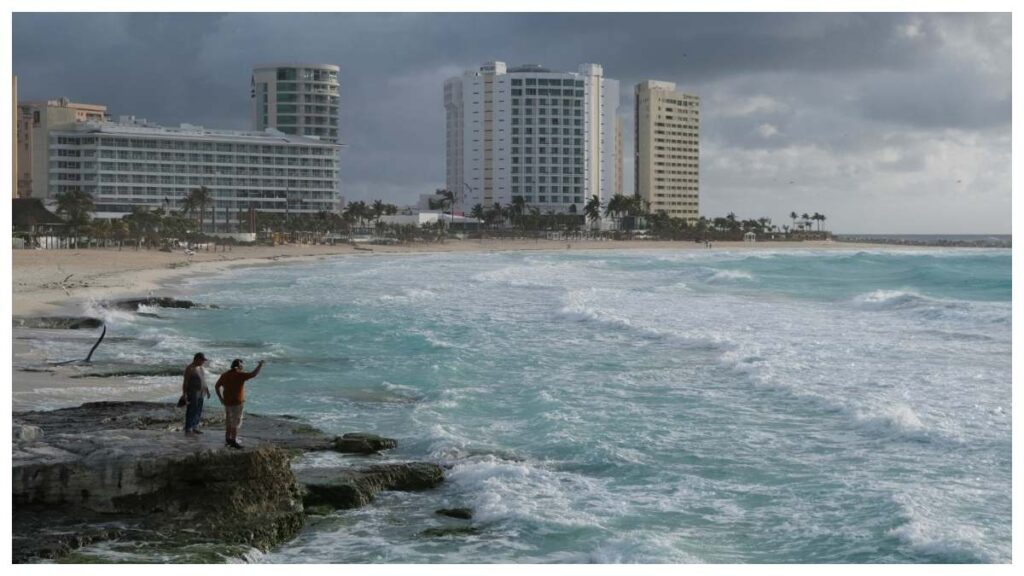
x=230, y=389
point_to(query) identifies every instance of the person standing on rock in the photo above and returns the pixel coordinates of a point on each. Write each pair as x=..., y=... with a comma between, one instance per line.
x=193, y=389
x=230, y=389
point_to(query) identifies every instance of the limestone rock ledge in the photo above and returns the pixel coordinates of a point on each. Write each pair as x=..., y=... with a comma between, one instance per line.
x=123, y=470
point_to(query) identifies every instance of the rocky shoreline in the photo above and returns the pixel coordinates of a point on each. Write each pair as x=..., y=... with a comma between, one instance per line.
x=124, y=472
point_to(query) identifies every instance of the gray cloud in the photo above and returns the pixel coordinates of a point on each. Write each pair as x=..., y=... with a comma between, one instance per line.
x=859, y=116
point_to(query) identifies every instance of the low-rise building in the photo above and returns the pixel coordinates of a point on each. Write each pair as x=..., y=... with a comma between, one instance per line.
x=133, y=163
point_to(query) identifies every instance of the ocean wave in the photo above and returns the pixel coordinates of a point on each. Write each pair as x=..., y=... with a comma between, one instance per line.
x=728, y=275
x=409, y=295
x=931, y=308
x=524, y=492
x=898, y=420
x=434, y=341
x=941, y=539
x=640, y=547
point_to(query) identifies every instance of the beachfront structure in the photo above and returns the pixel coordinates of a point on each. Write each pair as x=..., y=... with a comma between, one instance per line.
x=529, y=132
x=133, y=163
x=35, y=122
x=667, y=149
x=297, y=99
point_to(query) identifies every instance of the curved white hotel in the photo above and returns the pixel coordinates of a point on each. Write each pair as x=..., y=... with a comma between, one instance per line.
x=133, y=163
x=545, y=136
x=299, y=99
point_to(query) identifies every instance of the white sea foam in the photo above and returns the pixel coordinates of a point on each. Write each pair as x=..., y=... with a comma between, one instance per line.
x=928, y=531
x=727, y=275
x=502, y=491
x=898, y=419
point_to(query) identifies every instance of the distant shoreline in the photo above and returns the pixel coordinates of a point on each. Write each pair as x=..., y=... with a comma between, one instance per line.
x=931, y=240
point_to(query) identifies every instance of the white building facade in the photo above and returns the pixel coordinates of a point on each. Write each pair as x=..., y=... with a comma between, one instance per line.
x=132, y=163
x=548, y=137
x=298, y=99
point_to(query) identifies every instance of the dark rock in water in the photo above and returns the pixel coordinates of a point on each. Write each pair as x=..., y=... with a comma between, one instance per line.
x=351, y=488
x=150, y=315
x=156, y=301
x=462, y=513
x=450, y=531
x=361, y=443
x=115, y=373
x=58, y=322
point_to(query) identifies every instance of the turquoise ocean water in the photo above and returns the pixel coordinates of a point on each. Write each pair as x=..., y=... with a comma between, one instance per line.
x=700, y=406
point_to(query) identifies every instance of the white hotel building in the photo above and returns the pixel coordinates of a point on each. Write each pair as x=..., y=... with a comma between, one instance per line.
x=133, y=163
x=527, y=131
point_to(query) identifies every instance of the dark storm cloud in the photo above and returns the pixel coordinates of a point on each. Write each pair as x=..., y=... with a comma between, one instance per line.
x=853, y=105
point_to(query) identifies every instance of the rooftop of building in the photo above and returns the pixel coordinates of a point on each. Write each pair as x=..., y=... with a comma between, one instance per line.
x=140, y=127
x=272, y=66
x=499, y=68
x=662, y=86
x=64, y=102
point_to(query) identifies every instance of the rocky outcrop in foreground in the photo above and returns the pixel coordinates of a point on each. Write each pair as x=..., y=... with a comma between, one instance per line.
x=123, y=470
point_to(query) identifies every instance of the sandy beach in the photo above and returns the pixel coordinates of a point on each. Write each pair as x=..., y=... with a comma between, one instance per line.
x=65, y=282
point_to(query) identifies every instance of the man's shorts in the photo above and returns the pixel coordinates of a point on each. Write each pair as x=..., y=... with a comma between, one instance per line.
x=233, y=415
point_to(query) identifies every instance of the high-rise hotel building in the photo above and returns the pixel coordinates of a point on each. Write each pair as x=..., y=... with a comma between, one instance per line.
x=299, y=99
x=133, y=163
x=545, y=136
x=667, y=149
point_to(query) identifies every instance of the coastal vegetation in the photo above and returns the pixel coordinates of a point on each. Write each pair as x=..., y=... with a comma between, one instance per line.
x=199, y=222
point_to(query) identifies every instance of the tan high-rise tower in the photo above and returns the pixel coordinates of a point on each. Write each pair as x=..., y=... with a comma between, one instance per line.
x=668, y=149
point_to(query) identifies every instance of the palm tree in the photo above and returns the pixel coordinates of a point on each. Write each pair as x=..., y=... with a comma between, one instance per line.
x=119, y=231
x=616, y=207
x=74, y=206
x=498, y=213
x=378, y=209
x=198, y=199
x=518, y=210
x=592, y=210
x=101, y=230
x=732, y=223
x=448, y=199
x=793, y=216
x=821, y=221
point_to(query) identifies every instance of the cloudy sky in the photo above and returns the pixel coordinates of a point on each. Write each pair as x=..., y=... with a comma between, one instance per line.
x=883, y=122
